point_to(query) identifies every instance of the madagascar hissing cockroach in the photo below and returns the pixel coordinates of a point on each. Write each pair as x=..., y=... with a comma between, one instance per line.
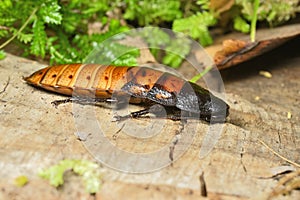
x=179, y=97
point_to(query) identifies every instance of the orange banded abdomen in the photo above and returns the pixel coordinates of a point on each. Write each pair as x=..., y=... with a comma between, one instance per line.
x=101, y=81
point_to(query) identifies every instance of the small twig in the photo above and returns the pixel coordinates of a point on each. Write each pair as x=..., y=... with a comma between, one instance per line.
x=116, y=134
x=277, y=154
x=6, y=85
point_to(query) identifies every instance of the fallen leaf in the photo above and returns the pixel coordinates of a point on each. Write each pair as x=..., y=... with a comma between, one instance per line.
x=235, y=51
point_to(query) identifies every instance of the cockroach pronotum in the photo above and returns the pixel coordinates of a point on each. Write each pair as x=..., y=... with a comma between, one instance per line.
x=180, y=98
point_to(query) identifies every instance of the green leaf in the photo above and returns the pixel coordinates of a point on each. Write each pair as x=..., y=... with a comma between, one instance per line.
x=2, y=54
x=86, y=169
x=148, y=12
x=241, y=25
x=5, y=5
x=80, y=166
x=95, y=8
x=272, y=11
x=127, y=59
x=90, y=175
x=7, y=21
x=70, y=22
x=55, y=173
x=23, y=37
x=49, y=11
x=38, y=44
x=3, y=33
x=172, y=60
x=114, y=53
x=60, y=57
x=177, y=51
x=155, y=37
x=196, y=26
x=204, y=4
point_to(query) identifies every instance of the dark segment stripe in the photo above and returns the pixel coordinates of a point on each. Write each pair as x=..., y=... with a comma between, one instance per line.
x=44, y=75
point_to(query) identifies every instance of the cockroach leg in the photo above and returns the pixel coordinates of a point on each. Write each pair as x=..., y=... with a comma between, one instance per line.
x=139, y=113
x=62, y=101
x=136, y=114
x=157, y=110
x=72, y=100
x=80, y=101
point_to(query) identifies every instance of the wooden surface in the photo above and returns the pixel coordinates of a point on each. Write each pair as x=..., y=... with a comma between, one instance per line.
x=36, y=135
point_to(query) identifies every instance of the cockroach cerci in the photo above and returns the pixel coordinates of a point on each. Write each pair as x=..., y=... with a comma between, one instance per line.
x=180, y=98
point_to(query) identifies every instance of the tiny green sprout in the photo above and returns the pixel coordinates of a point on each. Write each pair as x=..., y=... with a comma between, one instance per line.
x=254, y=20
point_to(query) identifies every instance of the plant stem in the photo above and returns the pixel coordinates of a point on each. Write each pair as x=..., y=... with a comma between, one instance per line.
x=198, y=76
x=20, y=30
x=254, y=20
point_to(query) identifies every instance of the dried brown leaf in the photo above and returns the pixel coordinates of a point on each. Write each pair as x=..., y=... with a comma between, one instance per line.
x=235, y=51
